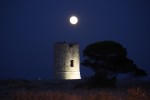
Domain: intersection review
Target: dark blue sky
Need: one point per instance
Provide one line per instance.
(29, 28)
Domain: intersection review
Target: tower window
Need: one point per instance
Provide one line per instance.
(71, 64)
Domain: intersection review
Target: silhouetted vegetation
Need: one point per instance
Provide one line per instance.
(56, 90)
(129, 94)
(108, 59)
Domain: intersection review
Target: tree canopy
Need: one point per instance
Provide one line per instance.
(108, 59)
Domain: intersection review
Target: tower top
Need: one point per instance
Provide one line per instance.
(67, 44)
(71, 43)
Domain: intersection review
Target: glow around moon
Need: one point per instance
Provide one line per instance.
(73, 20)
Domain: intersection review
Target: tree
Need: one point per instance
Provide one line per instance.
(139, 73)
(108, 59)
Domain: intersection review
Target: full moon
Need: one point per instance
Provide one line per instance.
(73, 20)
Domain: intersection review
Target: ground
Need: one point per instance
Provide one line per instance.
(64, 90)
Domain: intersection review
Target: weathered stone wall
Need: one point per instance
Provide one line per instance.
(63, 54)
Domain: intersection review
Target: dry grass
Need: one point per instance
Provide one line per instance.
(130, 94)
(137, 94)
(64, 90)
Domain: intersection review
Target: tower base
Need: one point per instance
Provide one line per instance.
(67, 75)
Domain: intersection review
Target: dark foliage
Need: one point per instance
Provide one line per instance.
(108, 59)
(140, 73)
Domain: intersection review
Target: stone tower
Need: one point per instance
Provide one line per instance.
(66, 61)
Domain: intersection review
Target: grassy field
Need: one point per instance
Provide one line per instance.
(130, 94)
(64, 90)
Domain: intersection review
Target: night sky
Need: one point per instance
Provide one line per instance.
(29, 28)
